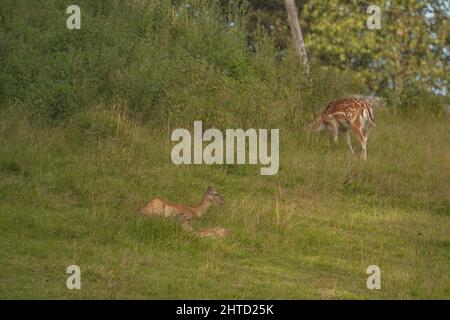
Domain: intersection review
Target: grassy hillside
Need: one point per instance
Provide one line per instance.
(70, 196)
(85, 124)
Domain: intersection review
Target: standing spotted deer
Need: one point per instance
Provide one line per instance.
(161, 208)
(344, 115)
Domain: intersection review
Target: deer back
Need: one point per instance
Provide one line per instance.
(347, 109)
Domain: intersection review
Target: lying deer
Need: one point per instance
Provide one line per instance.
(343, 115)
(217, 232)
(158, 207)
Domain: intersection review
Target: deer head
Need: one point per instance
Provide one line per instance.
(212, 195)
(314, 126)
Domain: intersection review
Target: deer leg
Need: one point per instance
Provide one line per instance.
(349, 141)
(334, 131)
(362, 141)
(364, 149)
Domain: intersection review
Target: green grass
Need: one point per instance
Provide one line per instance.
(70, 194)
(75, 169)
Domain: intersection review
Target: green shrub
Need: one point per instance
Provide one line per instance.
(414, 102)
(10, 167)
(169, 63)
(97, 124)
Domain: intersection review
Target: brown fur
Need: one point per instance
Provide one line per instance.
(160, 208)
(344, 115)
(217, 232)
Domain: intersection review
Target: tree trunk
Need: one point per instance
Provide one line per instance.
(296, 32)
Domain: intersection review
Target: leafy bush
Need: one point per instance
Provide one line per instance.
(170, 63)
(96, 123)
(415, 102)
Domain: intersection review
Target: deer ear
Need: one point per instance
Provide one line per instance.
(210, 189)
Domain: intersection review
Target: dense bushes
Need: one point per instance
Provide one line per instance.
(414, 102)
(168, 63)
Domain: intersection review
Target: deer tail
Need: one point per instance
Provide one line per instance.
(371, 119)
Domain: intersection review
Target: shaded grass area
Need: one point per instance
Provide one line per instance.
(69, 195)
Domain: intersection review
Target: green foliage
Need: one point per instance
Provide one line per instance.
(10, 167)
(143, 52)
(98, 124)
(168, 64)
(415, 102)
(408, 50)
(135, 50)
